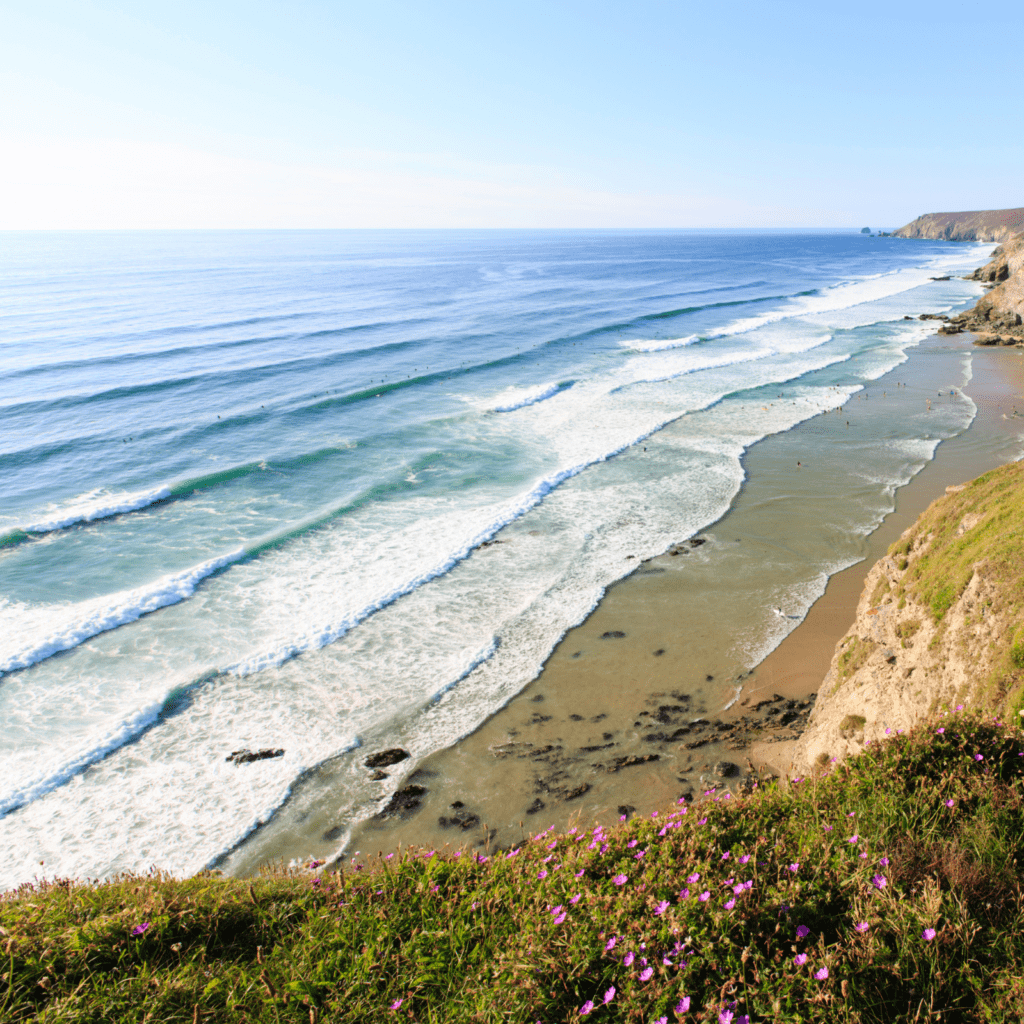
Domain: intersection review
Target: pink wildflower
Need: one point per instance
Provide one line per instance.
(730, 904)
(861, 926)
(396, 1004)
(683, 1006)
(661, 907)
(803, 931)
(879, 882)
(693, 878)
(587, 1008)
(800, 959)
(822, 974)
(609, 995)
(928, 934)
(628, 958)
(704, 896)
(620, 879)
(647, 974)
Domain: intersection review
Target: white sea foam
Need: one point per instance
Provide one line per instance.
(518, 398)
(28, 633)
(843, 296)
(98, 504)
(660, 346)
(60, 772)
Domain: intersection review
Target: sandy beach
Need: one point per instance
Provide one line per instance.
(608, 727)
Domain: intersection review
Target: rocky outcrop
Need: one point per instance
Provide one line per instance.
(248, 756)
(998, 318)
(967, 226)
(939, 624)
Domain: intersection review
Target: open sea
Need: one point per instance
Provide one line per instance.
(249, 481)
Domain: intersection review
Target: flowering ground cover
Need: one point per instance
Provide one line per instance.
(886, 890)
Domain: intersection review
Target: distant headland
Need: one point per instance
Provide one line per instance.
(998, 318)
(966, 226)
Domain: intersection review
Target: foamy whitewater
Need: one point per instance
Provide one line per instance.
(245, 480)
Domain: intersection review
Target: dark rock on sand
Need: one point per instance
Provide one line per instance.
(333, 833)
(378, 775)
(406, 799)
(625, 810)
(464, 820)
(537, 805)
(386, 758)
(659, 652)
(726, 769)
(613, 634)
(630, 760)
(667, 711)
(578, 791)
(695, 542)
(576, 718)
(248, 756)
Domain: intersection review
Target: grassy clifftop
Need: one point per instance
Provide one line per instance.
(975, 532)
(940, 622)
(886, 890)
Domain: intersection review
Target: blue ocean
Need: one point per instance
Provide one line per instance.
(246, 479)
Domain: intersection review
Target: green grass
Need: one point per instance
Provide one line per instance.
(456, 938)
(993, 546)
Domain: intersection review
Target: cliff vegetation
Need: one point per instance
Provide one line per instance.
(886, 889)
(940, 620)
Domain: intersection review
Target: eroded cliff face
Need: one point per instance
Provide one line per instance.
(998, 318)
(939, 624)
(966, 226)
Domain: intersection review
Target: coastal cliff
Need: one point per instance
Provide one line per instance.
(966, 226)
(998, 317)
(940, 623)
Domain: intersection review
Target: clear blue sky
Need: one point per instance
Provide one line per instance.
(392, 114)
